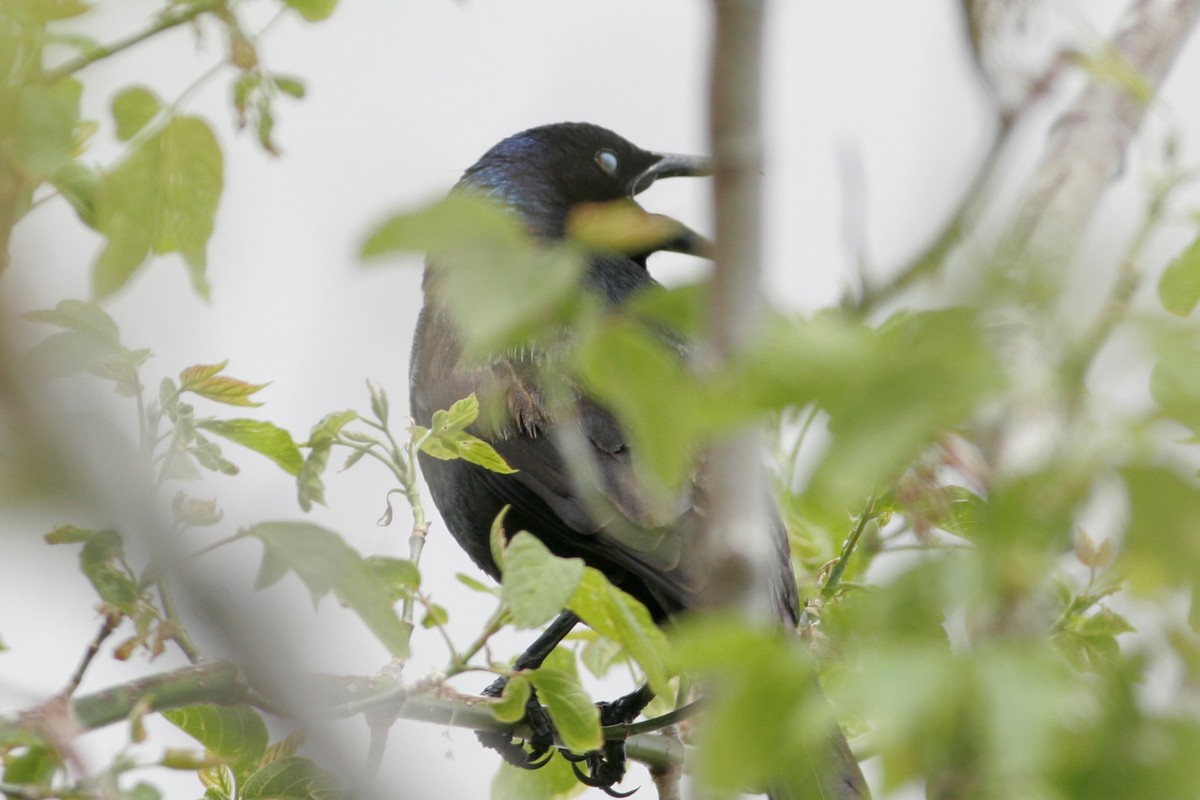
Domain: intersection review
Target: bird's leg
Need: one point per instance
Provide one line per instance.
(606, 767)
(542, 736)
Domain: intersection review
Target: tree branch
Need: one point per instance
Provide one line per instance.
(736, 541)
(1089, 142)
(165, 22)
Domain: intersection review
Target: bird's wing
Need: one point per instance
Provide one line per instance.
(592, 503)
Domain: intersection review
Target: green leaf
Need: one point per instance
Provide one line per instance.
(289, 85)
(498, 284)
(260, 436)
(103, 562)
(498, 538)
(435, 616)
(1175, 386)
(287, 746)
(537, 585)
(161, 199)
(400, 575)
(511, 705)
(144, 791)
(205, 380)
(1161, 541)
(313, 10)
(379, 402)
(551, 781)
(575, 716)
(132, 109)
(68, 534)
(618, 616)
(311, 489)
(928, 371)
(79, 316)
(326, 563)
(45, 121)
(661, 404)
(236, 733)
(475, 585)
(78, 184)
(49, 10)
(766, 721)
(34, 767)
(1179, 286)
(291, 778)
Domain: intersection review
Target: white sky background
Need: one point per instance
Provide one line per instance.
(402, 97)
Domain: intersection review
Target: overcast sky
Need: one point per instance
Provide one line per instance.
(403, 96)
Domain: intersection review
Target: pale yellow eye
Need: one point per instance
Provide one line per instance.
(607, 160)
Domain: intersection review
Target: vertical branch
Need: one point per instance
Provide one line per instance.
(736, 543)
(1091, 137)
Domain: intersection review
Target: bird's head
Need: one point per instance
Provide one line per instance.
(544, 172)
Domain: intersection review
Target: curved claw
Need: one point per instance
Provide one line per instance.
(605, 768)
(611, 792)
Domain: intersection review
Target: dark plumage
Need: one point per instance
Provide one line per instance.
(607, 517)
(542, 174)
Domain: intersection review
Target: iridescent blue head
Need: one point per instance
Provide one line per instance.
(543, 172)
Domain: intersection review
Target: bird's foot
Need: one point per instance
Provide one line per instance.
(540, 741)
(604, 768)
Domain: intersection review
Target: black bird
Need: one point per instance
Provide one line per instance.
(542, 174)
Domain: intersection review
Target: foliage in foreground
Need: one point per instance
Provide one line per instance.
(986, 615)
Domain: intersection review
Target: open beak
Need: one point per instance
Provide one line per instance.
(671, 165)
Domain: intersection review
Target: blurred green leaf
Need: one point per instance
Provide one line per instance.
(661, 404)
(326, 563)
(68, 534)
(1179, 286)
(78, 184)
(1175, 386)
(536, 584)
(311, 489)
(1161, 541)
(35, 766)
(618, 616)
(313, 10)
(132, 109)
(161, 199)
(927, 373)
(764, 719)
(497, 283)
(102, 560)
(555, 780)
(236, 733)
(511, 705)
(400, 575)
(291, 778)
(46, 116)
(260, 436)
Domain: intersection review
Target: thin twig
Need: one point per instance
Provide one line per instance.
(179, 634)
(166, 22)
(839, 566)
(109, 625)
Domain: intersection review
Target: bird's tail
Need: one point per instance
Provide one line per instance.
(833, 774)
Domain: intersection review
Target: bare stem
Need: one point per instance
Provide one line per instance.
(165, 22)
(106, 629)
(179, 634)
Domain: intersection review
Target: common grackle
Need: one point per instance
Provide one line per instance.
(541, 175)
